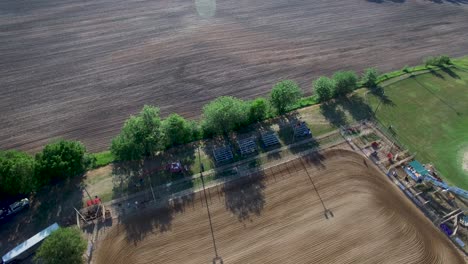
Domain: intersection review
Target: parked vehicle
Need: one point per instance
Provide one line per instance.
(14, 208)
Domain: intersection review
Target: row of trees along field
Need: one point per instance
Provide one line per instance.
(343, 83)
(21, 173)
(147, 133)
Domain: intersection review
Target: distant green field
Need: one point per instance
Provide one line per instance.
(429, 113)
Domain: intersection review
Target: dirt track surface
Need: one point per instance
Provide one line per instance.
(279, 218)
(78, 69)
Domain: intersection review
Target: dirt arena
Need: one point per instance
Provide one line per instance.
(78, 69)
(279, 218)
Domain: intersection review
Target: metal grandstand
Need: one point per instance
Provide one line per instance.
(300, 129)
(247, 146)
(269, 139)
(223, 154)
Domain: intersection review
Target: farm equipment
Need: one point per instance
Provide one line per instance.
(94, 210)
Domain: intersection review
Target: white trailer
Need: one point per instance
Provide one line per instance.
(25, 249)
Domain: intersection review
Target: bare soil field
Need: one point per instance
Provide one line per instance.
(78, 69)
(278, 217)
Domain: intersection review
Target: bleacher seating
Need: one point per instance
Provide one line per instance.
(222, 154)
(269, 139)
(301, 129)
(247, 146)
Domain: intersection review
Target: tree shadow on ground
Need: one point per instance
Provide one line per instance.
(286, 128)
(144, 219)
(137, 176)
(357, 107)
(450, 72)
(143, 223)
(333, 114)
(315, 158)
(379, 92)
(157, 168)
(125, 178)
(436, 74)
(244, 197)
(154, 193)
(51, 204)
(312, 143)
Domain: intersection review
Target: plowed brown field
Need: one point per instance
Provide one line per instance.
(278, 217)
(78, 69)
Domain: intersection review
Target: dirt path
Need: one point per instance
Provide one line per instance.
(278, 217)
(79, 69)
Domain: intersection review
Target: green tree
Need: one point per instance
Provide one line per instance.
(369, 78)
(16, 173)
(430, 61)
(65, 245)
(324, 88)
(196, 131)
(444, 60)
(60, 160)
(177, 130)
(141, 136)
(345, 82)
(259, 109)
(224, 115)
(284, 94)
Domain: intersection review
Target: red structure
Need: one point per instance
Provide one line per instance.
(94, 201)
